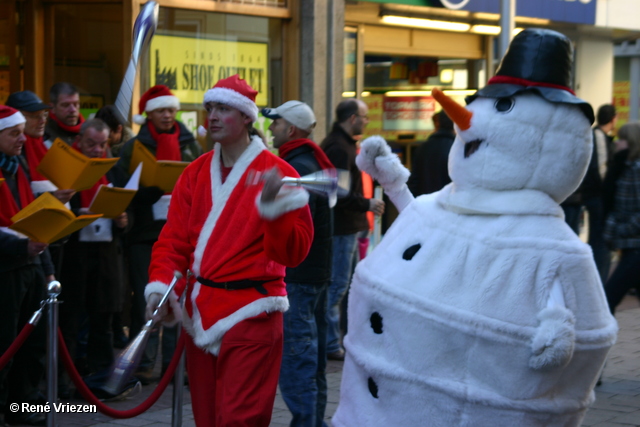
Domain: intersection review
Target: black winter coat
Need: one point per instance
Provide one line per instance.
(316, 267)
(350, 213)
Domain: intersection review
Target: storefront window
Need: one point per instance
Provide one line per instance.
(192, 50)
(88, 51)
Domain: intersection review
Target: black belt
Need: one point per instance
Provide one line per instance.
(235, 285)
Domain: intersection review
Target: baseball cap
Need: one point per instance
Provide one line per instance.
(26, 101)
(297, 113)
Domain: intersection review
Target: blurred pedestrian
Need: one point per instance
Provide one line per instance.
(622, 228)
(349, 213)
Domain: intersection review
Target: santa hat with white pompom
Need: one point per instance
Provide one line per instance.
(234, 92)
(158, 96)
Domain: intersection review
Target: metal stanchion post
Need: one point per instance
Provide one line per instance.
(178, 381)
(53, 290)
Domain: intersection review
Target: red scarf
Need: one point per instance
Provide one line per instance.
(86, 196)
(8, 205)
(321, 158)
(71, 129)
(167, 144)
(34, 150)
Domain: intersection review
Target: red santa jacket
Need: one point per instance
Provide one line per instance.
(222, 232)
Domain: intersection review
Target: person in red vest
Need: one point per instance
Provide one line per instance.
(25, 266)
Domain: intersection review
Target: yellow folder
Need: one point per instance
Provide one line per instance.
(111, 201)
(163, 173)
(68, 168)
(1, 181)
(46, 220)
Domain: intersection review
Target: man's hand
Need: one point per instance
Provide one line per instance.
(64, 195)
(35, 248)
(272, 184)
(152, 304)
(122, 220)
(376, 206)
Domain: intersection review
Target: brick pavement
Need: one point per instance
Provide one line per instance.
(617, 404)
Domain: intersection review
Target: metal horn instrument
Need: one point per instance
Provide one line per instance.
(333, 183)
(143, 30)
(129, 359)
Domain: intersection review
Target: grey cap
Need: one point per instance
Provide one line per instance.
(297, 113)
(26, 101)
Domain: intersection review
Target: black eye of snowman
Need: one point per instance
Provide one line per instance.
(504, 105)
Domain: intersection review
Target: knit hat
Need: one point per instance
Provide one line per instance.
(10, 117)
(158, 96)
(234, 92)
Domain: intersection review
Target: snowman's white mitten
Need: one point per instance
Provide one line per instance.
(376, 159)
(554, 340)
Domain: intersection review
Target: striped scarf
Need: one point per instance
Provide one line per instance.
(9, 163)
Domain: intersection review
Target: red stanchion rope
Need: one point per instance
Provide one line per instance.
(100, 406)
(15, 345)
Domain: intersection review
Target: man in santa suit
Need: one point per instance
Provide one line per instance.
(36, 112)
(25, 266)
(167, 139)
(236, 239)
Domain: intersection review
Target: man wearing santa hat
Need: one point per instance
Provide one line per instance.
(167, 139)
(24, 267)
(237, 239)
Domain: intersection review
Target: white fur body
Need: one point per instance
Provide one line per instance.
(499, 318)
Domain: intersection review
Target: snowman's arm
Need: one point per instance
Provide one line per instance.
(376, 159)
(554, 340)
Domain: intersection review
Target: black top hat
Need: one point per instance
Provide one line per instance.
(26, 101)
(538, 60)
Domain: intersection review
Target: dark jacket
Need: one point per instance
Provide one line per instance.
(350, 213)
(430, 171)
(13, 249)
(99, 264)
(592, 183)
(145, 229)
(52, 131)
(316, 268)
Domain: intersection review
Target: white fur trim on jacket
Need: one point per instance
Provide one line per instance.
(12, 120)
(167, 101)
(554, 340)
(221, 192)
(288, 199)
(211, 339)
(161, 288)
(233, 99)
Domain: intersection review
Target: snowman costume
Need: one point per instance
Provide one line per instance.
(481, 307)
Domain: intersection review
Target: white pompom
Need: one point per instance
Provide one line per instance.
(202, 131)
(139, 119)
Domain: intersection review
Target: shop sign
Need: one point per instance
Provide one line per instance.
(576, 11)
(621, 91)
(407, 112)
(191, 66)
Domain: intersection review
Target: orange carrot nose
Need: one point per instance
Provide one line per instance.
(460, 115)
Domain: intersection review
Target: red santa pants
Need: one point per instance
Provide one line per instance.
(238, 387)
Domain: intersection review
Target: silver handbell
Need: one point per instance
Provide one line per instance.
(143, 30)
(333, 183)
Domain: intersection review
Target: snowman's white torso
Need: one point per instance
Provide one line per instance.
(441, 335)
